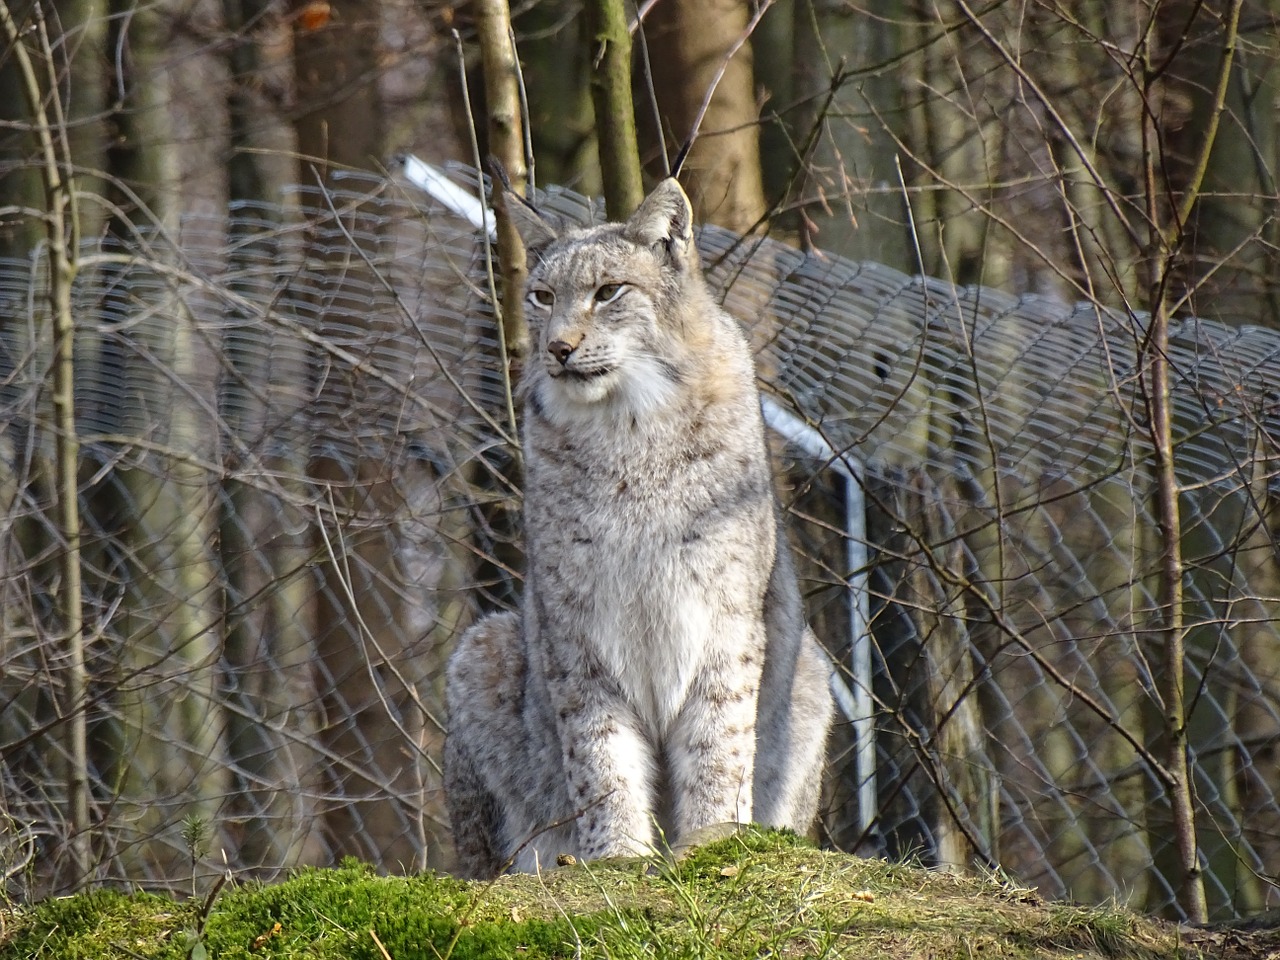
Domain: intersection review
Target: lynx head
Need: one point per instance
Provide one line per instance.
(612, 307)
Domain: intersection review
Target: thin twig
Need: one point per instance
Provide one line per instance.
(1165, 242)
(62, 271)
(1208, 137)
(1046, 102)
(342, 565)
(499, 315)
(378, 943)
(531, 182)
(715, 82)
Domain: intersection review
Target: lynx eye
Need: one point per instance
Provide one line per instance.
(608, 292)
(542, 297)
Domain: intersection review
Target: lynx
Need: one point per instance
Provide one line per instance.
(660, 675)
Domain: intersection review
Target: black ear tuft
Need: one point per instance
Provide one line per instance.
(664, 217)
(536, 230)
(498, 172)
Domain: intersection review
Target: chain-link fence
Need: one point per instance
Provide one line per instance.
(296, 487)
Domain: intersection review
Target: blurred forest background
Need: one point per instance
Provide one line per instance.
(256, 471)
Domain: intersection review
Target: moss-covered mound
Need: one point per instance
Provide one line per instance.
(754, 895)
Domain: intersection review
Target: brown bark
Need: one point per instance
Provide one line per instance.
(336, 70)
(690, 42)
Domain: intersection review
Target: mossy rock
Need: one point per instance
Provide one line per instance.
(754, 894)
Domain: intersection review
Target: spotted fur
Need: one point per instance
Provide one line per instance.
(660, 675)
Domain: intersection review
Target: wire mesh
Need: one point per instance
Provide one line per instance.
(297, 488)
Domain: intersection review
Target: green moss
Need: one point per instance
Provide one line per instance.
(758, 893)
(1107, 932)
(94, 925)
(339, 913)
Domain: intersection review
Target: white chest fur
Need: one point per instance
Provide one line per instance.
(651, 626)
(651, 559)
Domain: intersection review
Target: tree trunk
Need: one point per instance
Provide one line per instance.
(610, 47)
(850, 201)
(383, 625)
(937, 721)
(690, 42)
(40, 607)
(336, 70)
(264, 547)
(171, 757)
(1228, 259)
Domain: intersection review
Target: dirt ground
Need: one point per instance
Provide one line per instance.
(1256, 939)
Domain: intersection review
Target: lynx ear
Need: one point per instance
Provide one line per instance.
(536, 230)
(665, 217)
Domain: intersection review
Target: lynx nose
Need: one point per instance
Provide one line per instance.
(561, 350)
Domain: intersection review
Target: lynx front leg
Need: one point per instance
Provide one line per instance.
(609, 769)
(712, 747)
